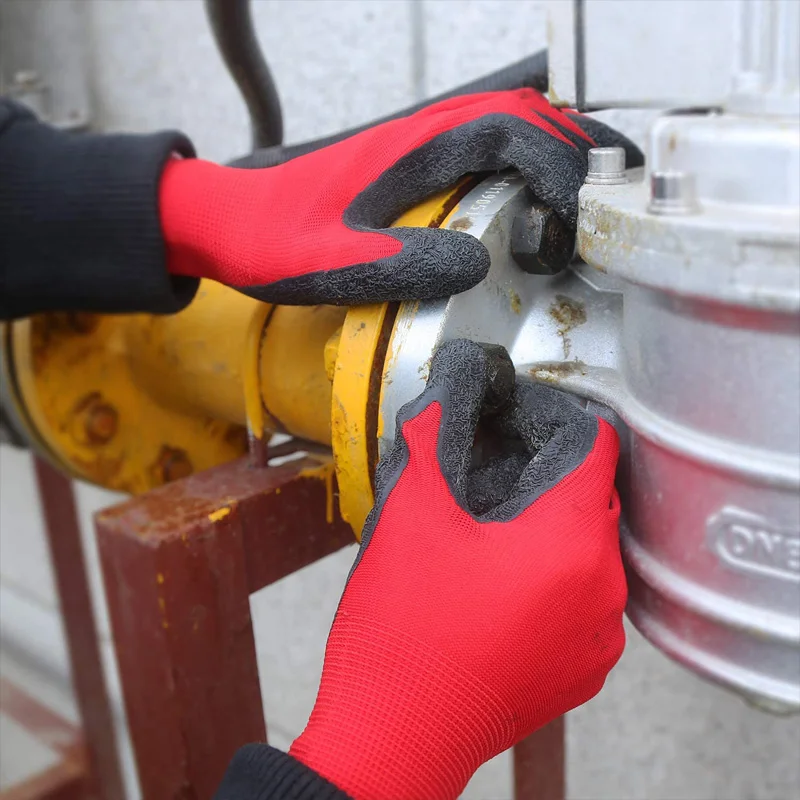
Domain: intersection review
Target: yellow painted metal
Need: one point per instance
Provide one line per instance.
(132, 401)
(294, 381)
(357, 380)
(259, 425)
(195, 362)
(352, 408)
(85, 382)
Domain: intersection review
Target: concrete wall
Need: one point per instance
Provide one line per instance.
(655, 731)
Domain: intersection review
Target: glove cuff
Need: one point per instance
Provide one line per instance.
(260, 772)
(95, 197)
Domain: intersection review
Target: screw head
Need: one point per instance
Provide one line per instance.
(673, 192)
(606, 166)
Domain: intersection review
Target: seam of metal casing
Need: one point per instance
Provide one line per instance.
(769, 468)
(695, 598)
(722, 672)
(604, 386)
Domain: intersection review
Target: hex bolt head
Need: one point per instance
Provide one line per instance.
(541, 244)
(606, 166)
(673, 192)
(502, 377)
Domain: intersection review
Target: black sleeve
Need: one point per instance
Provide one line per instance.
(260, 772)
(79, 223)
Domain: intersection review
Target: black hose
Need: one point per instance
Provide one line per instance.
(233, 31)
(529, 72)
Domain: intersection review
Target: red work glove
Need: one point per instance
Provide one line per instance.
(483, 603)
(316, 229)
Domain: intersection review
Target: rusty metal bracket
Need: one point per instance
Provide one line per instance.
(180, 563)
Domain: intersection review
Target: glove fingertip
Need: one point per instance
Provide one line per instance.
(436, 263)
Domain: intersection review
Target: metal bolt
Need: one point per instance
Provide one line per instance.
(541, 243)
(672, 193)
(100, 423)
(606, 166)
(502, 377)
(173, 464)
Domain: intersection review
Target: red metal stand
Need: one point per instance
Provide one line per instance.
(103, 777)
(88, 764)
(539, 764)
(179, 566)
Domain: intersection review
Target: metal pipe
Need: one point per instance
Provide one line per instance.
(232, 26)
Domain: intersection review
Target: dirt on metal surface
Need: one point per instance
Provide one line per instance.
(557, 371)
(568, 314)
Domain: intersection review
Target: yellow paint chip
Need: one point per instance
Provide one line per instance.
(220, 513)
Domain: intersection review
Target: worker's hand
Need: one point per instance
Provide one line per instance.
(459, 633)
(316, 229)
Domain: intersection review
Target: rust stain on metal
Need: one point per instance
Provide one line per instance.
(424, 369)
(101, 423)
(236, 436)
(568, 314)
(172, 464)
(93, 420)
(463, 224)
(672, 142)
(516, 302)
